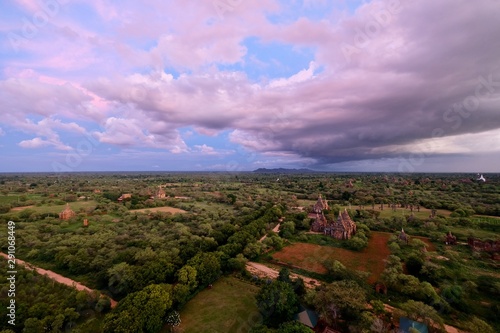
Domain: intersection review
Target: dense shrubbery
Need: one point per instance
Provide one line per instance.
(134, 255)
(42, 303)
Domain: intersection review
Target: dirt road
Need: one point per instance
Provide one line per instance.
(263, 271)
(17, 209)
(276, 229)
(56, 277)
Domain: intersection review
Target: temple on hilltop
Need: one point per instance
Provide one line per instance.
(67, 213)
(341, 228)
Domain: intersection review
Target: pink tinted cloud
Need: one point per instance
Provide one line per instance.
(130, 132)
(375, 89)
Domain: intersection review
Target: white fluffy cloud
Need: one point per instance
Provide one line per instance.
(40, 143)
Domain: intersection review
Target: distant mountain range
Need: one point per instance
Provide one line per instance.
(283, 170)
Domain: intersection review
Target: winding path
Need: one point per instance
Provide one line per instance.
(57, 277)
(276, 229)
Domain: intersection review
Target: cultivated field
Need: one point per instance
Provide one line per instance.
(160, 209)
(311, 257)
(230, 306)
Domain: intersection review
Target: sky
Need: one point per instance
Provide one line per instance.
(233, 85)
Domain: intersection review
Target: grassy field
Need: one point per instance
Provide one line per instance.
(463, 233)
(200, 206)
(387, 212)
(159, 209)
(423, 214)
(311, 257)
(7, 199)
(486, 217)
(58, 208)
(229, 306)
(306, 203)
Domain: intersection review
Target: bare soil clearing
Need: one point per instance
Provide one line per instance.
(311, 256)
(264, 271)
(17, 209)
(160, 209)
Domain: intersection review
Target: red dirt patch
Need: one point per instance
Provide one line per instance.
(311, 257)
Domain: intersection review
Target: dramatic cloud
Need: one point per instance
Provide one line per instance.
(235, 85)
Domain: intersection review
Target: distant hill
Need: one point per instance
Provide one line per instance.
(283, 170)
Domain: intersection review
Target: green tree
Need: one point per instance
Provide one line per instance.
(341, 298)
(122, 322)
(294, 327)
(232, 198)
(287, 229)
(476, 325)
(414, 264)
(277, 302)
(284, 275)
(274, 241)
(121, 278)
(71, 316)
(142, 311)
(393, 269)
(33, 325)
(253, 250)
(336, 269)
(419, 311)
(299, 286)
(187, 276)
(58, 323)
(181, 294)
(208, 267)
(378, 307)
(5, 208)
(238, 263)
(261, 329)
(103, 304)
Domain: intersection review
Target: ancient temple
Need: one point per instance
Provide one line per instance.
(160, 193)
(67, 213)
(450, 239)
(341, 228)
(320, 205)
(320, 223)
(403, 236)
(124, 196)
